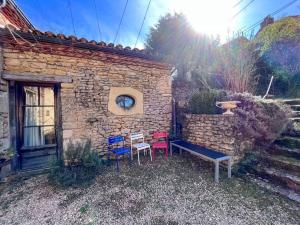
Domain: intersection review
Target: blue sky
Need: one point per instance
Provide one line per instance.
(207, 16)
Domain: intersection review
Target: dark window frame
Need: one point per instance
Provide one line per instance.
(20, 107)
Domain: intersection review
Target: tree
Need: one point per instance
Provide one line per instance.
(236, 65)
(279, 45)
(174, 40)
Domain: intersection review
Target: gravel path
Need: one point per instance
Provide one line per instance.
(179, 191)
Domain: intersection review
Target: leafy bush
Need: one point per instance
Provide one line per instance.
(279, 46)
(79, 166)
(284, 29)
(260, 120)
(204, 102)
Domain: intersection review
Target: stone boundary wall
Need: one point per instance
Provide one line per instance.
(212, 131)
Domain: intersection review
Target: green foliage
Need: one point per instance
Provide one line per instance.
(240, 65)
(79, 166)
(286, 28)
(235, 63)
(174, 40)
(8, 153)
(247, 164)
(260, 120)
(279, 46)
(204, 102)
(84, 209)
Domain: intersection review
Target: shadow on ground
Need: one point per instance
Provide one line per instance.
(178, 191)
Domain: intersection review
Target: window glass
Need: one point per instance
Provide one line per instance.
(46, 96)
(39, 114)
(31, 95)
(125, 101)
(37, 136)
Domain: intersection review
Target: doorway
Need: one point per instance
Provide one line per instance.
(37, 123)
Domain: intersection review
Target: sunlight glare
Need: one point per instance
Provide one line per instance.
(212, 17)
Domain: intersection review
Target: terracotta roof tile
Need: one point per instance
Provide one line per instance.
(60, 38)
(73, 38)
(83, 40)
(49, 34)
(119, 47)
(101, 43)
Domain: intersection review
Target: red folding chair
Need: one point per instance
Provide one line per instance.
(160, 144)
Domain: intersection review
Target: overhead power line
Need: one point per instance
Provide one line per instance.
(71, 13)
(239, 2)
(120, 23)
(137, 39)
(98, 23)
(272, 14)
(244, 8)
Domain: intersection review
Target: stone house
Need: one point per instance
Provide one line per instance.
(55, 88)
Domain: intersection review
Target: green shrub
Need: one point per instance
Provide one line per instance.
(79, 166)
(260, 120)
(204, 102)
(247, 164)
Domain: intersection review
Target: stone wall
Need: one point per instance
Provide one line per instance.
(182, 91)
(213, 131)
(84, 102)
(4, 128)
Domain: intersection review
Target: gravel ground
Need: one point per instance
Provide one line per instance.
(178, 191)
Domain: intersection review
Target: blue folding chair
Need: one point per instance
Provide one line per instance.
(114, 147)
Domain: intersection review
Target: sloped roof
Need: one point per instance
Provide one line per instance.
(15, 15)
(48, 37)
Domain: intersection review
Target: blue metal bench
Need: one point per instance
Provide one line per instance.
(204, 153)
(116, 149)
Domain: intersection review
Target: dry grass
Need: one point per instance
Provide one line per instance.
(179, 191)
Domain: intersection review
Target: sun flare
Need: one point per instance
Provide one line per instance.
(212, 17)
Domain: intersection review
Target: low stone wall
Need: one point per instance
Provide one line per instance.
(213, 131)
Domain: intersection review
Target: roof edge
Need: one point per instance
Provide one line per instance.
(38, 37)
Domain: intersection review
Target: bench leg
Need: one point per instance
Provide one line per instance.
(217, 171)
(229, 168)
(180, 151)
(171, 149)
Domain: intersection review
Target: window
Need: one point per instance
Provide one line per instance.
(125, 101)
(39, 116)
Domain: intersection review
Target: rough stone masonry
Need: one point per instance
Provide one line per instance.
(213, 131)
(84, 102)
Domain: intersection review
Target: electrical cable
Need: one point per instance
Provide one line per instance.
(120, 23)
(98, 23)
(142, 24)
(244, 8)
(71, 13)
(261, 20)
